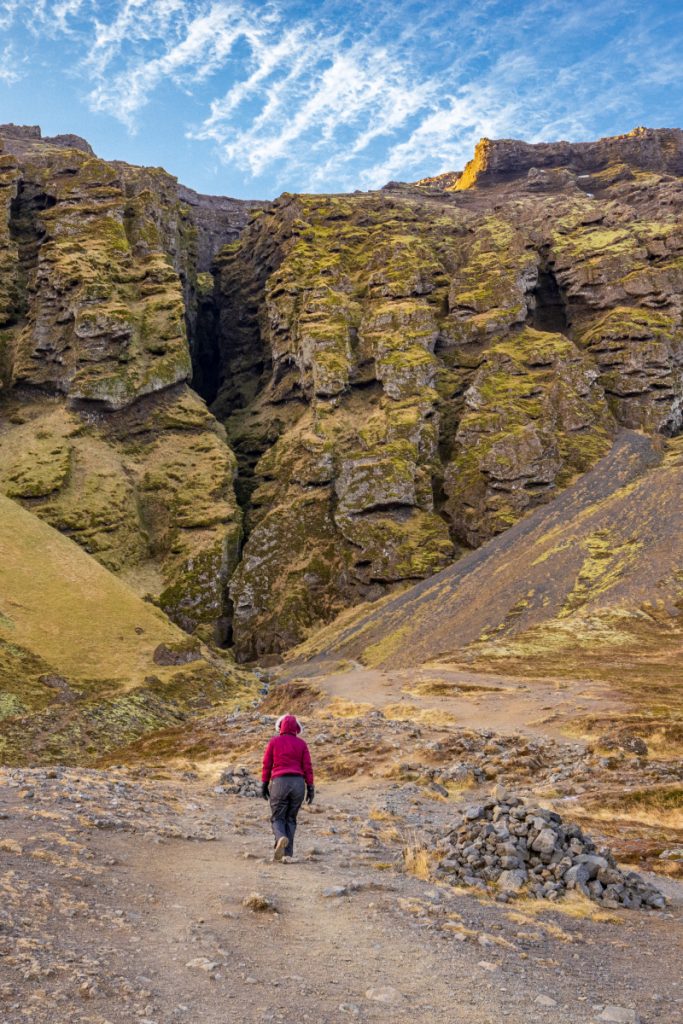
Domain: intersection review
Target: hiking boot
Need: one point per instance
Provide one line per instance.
(280, 847)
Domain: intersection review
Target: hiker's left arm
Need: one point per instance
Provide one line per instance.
(267, 762)
(307, 766)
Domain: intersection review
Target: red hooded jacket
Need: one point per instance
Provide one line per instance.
(287, 754)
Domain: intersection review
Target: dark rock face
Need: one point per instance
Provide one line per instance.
(20, 131)
(178, 654)
(393, 376)
(409, 371)
(219, 221)
(70, 142)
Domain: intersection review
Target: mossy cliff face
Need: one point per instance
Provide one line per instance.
(534, 416)
(407, 372)
(392, 376)
(105, 318)
(329, 314)
(100, 434)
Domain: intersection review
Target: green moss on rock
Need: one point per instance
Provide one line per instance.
(534, 416)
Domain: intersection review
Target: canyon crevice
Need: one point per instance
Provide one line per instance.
(259, 414)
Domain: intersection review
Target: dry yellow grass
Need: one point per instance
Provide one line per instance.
(573, 905)
(417, 859)
(458, 931)
(379, 814)
(658, 805)
(403, 711)
(339, 707)
(445, 688)
(62, 605)
(10, 846)
(661, 726)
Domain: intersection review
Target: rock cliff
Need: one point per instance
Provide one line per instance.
(101, 435)
(658, 150)
(405, 373)
(391, 377)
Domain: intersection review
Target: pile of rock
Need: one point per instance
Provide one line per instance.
(513, 846)
(238, 781)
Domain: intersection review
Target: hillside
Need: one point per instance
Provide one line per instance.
(85, 664)
(610, 545)
(416, 456)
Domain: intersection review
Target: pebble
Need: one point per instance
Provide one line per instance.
(202, 963)
(619, 1015)
(384, 994)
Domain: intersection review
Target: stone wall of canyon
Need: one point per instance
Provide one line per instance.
(260, 414)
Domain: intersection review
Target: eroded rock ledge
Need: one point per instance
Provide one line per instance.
(658, 150)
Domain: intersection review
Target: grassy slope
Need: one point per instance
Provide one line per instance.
(78, 682)
(63, 606)
(591, 586)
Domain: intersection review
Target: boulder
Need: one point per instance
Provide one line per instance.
(512, 881)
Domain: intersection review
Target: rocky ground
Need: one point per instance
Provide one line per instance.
(128, 890)
(352, 394)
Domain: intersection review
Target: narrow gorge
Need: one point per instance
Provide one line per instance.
(259, 414)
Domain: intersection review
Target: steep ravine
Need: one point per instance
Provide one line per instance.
(405, 373)
(392, 377)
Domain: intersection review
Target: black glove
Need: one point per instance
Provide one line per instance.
(310, 794)
(265, 792)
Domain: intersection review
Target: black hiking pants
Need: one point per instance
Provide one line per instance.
(286, 797)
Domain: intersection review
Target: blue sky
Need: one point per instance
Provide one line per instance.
(249, 98)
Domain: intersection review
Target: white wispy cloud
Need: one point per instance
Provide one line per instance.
(356, 95)
(351, 92)
(8, 11)
(198, 47)
(448, 134)
(10, 66)
(64, 12)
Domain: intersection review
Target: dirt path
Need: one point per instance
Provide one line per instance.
(537, 707)
(123, 901)
(122, 891)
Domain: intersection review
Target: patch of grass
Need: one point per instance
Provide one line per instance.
(572, 905)
(417, 859)
(296, 697)
(379, 814)
(656, 805)
(339, 707)
(443, 688)
(68, 610)
(661, 726)
(402, 711)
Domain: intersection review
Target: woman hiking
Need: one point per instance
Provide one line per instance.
(286, 778)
